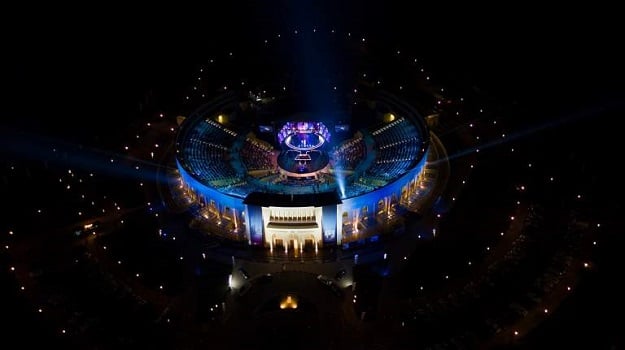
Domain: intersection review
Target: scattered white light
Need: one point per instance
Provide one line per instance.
(512, 218)
(546, 310)
(501, 234)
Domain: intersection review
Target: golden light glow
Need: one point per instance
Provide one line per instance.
(289, 302)
(222, 119)
(389, 117)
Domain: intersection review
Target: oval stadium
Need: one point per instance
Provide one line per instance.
(265, 172)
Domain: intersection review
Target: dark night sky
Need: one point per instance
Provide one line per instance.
(95, 63)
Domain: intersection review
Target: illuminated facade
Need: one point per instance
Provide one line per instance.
(293, 182)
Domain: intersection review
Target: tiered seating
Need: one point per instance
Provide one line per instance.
(397, 146)
(206, 149)
(257, 155)
(349, 154)
(240, 188)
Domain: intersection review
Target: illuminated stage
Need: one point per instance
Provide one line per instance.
(301, 187)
